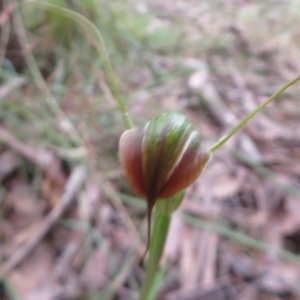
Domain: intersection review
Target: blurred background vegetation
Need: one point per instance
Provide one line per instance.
(237, 234)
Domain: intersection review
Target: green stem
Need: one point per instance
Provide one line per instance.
(158, 240)
(224, 139)
(99, 45)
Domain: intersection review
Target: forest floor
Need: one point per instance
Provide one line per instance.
(70, 225)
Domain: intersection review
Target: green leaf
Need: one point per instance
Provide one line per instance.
(168, 206)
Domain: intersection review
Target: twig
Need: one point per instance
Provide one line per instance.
(43, 159)
(73, 185)
(12, 85)
(196, 293)
(119, 206)
(6, 12)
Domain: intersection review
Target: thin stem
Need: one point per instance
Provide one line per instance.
(99, 45)
(158, 240)
(224, 139)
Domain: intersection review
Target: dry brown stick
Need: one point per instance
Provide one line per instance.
(209, 265)
(42, 158)
(6, 12)
(120, 208)
(12, 84)
(73, 185)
